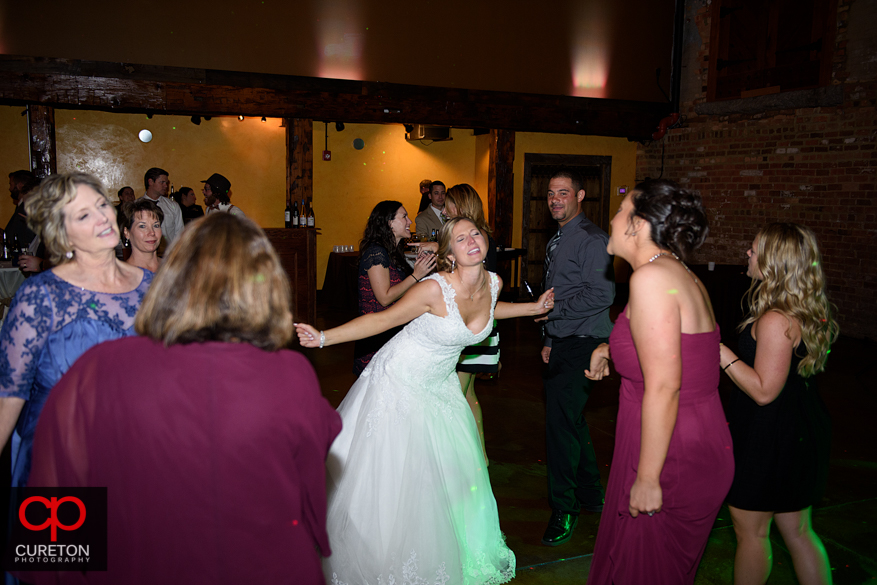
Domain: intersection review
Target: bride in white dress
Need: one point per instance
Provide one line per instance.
(409, 496)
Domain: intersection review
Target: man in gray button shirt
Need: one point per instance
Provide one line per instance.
(580, 271)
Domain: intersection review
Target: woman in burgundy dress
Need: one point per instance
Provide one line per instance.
(673, 462)
(781, 429)
(210, 438)
(384, 274)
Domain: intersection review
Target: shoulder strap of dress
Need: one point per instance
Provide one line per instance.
(448, 292)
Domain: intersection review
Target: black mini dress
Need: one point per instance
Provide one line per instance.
(781, 449)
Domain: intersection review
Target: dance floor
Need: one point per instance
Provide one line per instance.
(514, 428)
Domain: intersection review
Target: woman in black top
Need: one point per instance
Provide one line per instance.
(384, 274)
(779, 425)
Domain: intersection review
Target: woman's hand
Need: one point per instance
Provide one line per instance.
(726, 356)
(29, 263)
(424, 264)
(544, 303)
(645, 497)
(599, 363)
(307, 335)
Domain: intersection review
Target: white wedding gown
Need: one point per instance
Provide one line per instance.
(409, 496)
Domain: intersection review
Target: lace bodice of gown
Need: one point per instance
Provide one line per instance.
(426, 351)
(409, 494)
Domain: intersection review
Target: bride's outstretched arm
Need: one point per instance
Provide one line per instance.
(421, 298)
(510, 310)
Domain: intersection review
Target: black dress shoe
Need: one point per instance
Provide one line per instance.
(560, 528)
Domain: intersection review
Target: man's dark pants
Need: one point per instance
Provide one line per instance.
(573, 476)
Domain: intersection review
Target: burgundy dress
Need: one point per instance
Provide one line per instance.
(667, 547)
(213, 455)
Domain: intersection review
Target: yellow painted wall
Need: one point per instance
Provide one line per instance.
(251, 154)
(14, 153)
(622, 151)
(348, 187)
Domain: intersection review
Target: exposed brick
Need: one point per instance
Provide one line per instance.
(815, 166)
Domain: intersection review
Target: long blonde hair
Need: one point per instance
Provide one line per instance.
(469, 205)
(793, 284)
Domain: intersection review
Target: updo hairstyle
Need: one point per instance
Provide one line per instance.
(676, 215)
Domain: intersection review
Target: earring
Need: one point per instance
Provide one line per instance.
(453, 266)
(69, 254)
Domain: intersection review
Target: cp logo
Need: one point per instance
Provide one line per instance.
(52, 506)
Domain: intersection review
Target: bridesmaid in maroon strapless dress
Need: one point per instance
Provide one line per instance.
(696, 476)
(673, 462)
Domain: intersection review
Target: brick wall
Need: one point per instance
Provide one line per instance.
(814, 166)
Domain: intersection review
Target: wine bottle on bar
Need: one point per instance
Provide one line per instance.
(311, 221)
(288, 214)
(303, 218)
(295, 214)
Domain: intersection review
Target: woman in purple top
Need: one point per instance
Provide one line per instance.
(673, 462)
(210, 438)
(384, 274)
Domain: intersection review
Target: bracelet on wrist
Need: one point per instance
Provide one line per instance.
(730, 364)
(322, 339)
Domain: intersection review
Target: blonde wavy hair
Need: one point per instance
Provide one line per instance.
(469, 205)
(45, 210)
(794, 284)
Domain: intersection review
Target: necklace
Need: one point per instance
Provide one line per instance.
(472, 296)
(687, 269)
(659, 254)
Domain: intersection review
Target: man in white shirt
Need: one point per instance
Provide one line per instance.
(157, 183)
(432, 218)
(217, 196)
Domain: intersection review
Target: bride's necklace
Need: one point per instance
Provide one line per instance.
(472, 296)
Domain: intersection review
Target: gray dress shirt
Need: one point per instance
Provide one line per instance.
(583, 280)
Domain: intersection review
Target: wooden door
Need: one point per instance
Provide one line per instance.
(539, 227)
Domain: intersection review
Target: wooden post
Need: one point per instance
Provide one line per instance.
(41, 135)
(299, 159)
(501, 185)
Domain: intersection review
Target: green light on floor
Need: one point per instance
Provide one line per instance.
(474, 488)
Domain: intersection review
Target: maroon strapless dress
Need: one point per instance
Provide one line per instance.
(667, 547)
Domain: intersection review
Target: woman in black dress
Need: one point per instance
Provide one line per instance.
(779, 425)
(384, 274)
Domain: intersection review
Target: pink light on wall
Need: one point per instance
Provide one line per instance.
(589, 49)
(340, 38)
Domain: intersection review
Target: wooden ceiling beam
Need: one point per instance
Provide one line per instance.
(129, 88)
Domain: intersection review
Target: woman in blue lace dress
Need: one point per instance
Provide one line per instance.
(384, 274)
(88, 297)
